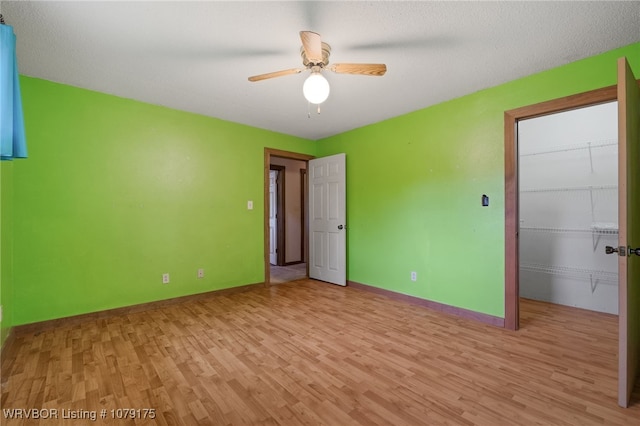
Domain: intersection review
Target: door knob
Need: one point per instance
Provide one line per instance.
(340, 226)
(635, 251)
(622, 251)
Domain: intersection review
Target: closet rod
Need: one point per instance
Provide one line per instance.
(603, 144)
(572, 188)
(594, 230)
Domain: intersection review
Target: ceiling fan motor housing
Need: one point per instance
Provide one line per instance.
(326, 51)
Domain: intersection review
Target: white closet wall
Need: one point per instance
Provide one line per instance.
(569, 207)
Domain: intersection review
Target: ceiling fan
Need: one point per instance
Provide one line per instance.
(315, 57)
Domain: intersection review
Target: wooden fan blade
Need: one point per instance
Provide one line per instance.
(275, 74)
(362, 69)
(312, 44)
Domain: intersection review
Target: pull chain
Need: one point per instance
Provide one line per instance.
(309, 109)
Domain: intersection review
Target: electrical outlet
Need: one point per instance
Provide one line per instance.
(414, 276)
(249, 205)
(201, 273)
(165, 278)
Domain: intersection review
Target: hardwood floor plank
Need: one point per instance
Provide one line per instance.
(308, 353)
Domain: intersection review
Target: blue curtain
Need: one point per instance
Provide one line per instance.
(13, 142)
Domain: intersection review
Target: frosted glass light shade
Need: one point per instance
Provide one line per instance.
(316, 88)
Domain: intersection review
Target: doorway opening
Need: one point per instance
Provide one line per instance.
(627, 93)
(568, 207)
(286, 234)
(512, 201)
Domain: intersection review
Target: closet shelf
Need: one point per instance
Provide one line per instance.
(588, 145)
(600, 229)
(605, 228)
(573, 188)
(592, 274)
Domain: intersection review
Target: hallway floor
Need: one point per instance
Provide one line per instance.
(284, 274)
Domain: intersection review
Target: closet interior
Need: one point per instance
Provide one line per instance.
(568, 195)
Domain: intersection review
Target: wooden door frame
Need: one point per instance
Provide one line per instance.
(511, 118)
(280, 213)
(511, 190)
(268, 153)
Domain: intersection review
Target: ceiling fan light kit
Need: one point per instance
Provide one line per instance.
(316, 88)
(315, 57)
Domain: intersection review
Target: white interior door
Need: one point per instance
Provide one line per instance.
(327, 214)
(273, 222)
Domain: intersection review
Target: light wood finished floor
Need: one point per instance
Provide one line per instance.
(311, 353)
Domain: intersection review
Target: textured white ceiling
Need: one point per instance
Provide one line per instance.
(196, 56)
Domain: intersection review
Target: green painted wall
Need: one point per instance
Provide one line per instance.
(414, 185)
(6, 248)
(117, 192)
